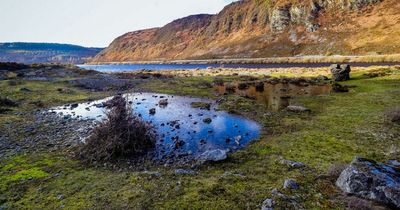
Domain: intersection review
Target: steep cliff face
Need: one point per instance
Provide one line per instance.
(266, 28)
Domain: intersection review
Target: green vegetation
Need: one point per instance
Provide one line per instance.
(340, 126)
(32, 95)
(201, 105)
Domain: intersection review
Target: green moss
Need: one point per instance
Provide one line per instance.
(32, 173)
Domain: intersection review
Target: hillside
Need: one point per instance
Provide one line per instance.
(45, 53)
(268, 28)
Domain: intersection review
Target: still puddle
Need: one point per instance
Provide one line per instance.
(182, 130)
(275, 96)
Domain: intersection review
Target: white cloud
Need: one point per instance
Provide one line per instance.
(91, 22)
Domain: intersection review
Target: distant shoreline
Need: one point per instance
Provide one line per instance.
(393, 58)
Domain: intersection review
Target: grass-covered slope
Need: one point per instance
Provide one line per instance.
(45, 53)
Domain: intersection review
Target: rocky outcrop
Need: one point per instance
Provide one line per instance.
(372, 180)
(280, 18)
(250, 28)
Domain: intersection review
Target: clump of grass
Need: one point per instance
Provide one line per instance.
(205, 84)
(218, 81)
(122, 134)
(393, 115)
(7, 102)
(201, 105)
(230, 88)
(243, 86)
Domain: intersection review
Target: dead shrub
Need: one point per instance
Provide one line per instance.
(393, 115)
(243, 86)
(121, 134)
(230, 87)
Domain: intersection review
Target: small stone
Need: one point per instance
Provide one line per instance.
(207, 120)
(152, 111)
(290, 184)
(293, 164)
(268, 204)
(24, 89)
(297, 109)
(184, 172)
(73, 106)
(163, 102)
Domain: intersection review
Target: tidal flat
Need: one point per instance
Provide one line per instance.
(38, 170)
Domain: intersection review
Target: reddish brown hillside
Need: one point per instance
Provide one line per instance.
(267, 28)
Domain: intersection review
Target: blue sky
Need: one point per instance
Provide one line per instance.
(91, 22)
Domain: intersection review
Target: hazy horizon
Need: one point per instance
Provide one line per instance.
(91, 23)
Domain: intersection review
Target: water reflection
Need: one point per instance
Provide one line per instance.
(275, 96)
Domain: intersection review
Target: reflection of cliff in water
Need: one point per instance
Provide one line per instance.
(274, 96)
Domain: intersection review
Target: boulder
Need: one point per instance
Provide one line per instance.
(340, 72)
(372, 180)
(213, 155)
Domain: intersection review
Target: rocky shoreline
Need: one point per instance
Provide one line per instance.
(43, 131)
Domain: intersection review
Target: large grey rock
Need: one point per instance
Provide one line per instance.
(340, 72)
(371, 180)
(213, 155)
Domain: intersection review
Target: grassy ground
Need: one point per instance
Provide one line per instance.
(340, 126)
(40, 94)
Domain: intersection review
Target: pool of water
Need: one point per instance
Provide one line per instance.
(136, 67)
(274, 96)
(182, 130)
